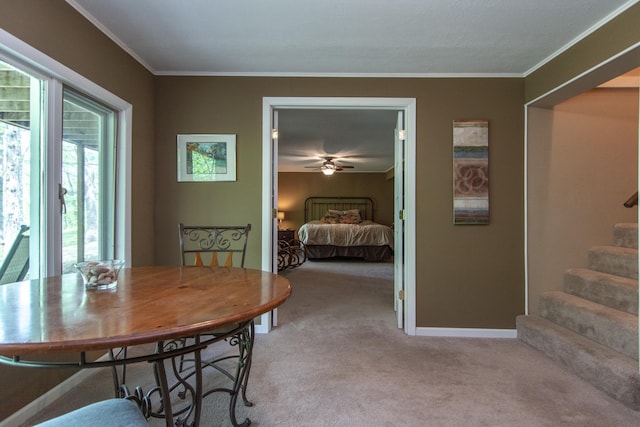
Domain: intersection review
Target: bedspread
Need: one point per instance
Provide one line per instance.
(367, 233)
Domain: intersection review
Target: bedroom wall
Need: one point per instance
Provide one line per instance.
(294, 188)
(583, 164)
(57, 30)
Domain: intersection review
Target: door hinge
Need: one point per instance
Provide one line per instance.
(401, 295)
(402, 214)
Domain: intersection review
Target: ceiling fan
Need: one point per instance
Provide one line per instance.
(328, 167)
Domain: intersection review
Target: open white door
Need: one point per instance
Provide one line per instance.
(406, 307)
(269, 205)
(274, 204)
(398, 223)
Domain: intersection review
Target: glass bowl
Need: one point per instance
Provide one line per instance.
(100, 274)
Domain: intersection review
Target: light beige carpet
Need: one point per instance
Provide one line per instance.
(337, 359)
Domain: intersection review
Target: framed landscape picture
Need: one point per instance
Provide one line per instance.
(206, 157)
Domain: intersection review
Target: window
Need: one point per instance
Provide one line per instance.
(64, 164)
(19, 92)
(88, 180)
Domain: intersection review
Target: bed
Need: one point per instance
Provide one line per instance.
(344, 227)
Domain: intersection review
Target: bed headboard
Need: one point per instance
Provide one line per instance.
(316, 207)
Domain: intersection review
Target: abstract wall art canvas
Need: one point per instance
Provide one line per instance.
(470, 172)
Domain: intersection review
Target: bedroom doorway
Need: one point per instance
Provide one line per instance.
(405, 217)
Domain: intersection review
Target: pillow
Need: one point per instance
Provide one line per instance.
(347, 219)
(331, 217)
(354, 213)
(351, 216)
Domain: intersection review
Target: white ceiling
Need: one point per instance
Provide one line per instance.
(359, 138)
(402, 38)
(320, 37)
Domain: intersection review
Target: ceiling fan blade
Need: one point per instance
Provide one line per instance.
(329, 165)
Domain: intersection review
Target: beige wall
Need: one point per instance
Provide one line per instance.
(618, 35)
(294, 188)
(582, 166)
(467, 276)
(54, 28)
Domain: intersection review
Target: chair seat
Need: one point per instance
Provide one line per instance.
(111, 413)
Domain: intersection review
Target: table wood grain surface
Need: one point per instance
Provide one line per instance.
(149, 304)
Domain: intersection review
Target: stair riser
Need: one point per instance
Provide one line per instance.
(612, 292)
(619, 264)
(592, 327)
(611, 373)
(626, 235)
(619, 333)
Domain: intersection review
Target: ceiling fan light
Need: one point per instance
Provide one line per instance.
(328, 171)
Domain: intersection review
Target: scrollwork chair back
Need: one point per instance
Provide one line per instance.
(202, 245)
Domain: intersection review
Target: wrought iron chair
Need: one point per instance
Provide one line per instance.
(195, 241)
(16, 264)
(290, 254)
(222, 246)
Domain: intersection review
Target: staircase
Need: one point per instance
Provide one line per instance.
(591, 327)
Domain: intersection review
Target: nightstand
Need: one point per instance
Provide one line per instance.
(286, 235)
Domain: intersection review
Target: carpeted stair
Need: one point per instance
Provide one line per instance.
(592, 325)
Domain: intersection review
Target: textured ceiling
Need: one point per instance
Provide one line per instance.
(359, 138)
(345, 38)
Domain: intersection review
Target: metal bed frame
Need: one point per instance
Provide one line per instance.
(315, 207)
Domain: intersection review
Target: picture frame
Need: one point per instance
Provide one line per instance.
(206, 157)
(470, 172)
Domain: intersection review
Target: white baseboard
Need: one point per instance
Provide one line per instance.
(466, 332)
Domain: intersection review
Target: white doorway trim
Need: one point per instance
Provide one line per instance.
(270, 169)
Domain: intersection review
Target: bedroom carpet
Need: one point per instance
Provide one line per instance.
(337, 359)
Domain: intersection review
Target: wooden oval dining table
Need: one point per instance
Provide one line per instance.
(181, 309)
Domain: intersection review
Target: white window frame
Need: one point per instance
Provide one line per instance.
(18, 53)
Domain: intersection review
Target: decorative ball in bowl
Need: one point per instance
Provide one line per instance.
(100, 274)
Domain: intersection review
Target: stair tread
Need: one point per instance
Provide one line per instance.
(620, 293)
(592, 348)
(621, 280)
(604, 325)
(615, 249)
(618, 260)
(629, 225)
(593, 307)
(614, 373)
